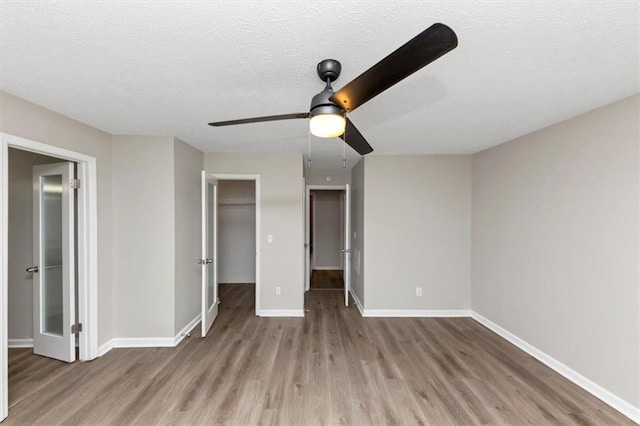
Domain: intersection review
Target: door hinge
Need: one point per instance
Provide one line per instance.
(76, 328)
(74, 183)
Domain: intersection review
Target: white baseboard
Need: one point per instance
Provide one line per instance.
(238, 282)
(281, 313)
(416, 313)
(596, 390)
(328, 268)
(143, 342)
(20, 343)
(148, 342)
(358, 302)
(186, 330)
(106, 347)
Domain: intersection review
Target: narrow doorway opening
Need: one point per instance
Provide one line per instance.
(326, 241)
(237, 245)
(86, 257)
(42, 270)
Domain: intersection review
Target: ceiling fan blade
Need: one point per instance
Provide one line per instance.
(355, 140)
(261, 119)
(423, 49)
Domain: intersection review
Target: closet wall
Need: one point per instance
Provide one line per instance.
(236, 231)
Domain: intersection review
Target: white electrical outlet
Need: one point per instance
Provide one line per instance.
(270, 239)
(418, 291)
(278, 291)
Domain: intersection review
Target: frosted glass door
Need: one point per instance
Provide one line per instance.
(51, 239)
(54, 261)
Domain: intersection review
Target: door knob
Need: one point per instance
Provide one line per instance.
(33, 269)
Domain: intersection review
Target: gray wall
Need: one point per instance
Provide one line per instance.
(188, 165)
(144, 236)
(357, 230)
(21, 118)
(281, 216)
(418, 226)
(21, 240)
(556, 243)
(236, 231)
(328, 236)
(319, 176)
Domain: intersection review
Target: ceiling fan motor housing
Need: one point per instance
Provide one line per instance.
(321, 104)
(328, 71)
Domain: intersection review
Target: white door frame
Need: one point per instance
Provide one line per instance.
(256, 178)
(87, 250)
(307, 226)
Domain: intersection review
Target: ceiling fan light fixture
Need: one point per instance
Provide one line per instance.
(327, 124)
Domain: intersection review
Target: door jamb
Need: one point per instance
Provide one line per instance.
(307, 226)
(87, 249)
(256, 178)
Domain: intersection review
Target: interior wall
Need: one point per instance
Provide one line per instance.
(282, 196)
(357, 231)
(556, 243)
(236, 231)
(21, 118)
(144, 218)
(327, 176)
(188, 165)
(418, 226)
(328, 237)
(20, 242)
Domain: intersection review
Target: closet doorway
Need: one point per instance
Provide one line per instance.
(237, 243)
(230, 244)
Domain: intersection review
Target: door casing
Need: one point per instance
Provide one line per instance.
(307, 226)
(87, 250)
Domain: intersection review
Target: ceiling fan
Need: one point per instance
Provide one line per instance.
(328, 112)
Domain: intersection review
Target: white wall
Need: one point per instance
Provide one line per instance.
(21, 240)
(328, 231)
(188, 165)
(144, 218)
(418, 225)
(357, 231)
(236, 231)
(22, 118)
(327, 176)
(281, 216)
(556, 243)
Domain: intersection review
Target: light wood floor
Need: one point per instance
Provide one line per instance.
(331, 367)
(326, 280)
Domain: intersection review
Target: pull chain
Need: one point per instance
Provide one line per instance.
(344, 155)
(309, 157)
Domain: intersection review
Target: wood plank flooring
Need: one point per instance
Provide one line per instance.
(332, 367)
(326, 280)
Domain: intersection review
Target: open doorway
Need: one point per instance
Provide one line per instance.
(237, 244)
(230, 244)
(328, 253)
(42, 259)
(61, 185)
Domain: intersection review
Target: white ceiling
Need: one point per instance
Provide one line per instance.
(170, 67)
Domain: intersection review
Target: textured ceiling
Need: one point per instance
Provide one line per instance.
(169, 67)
